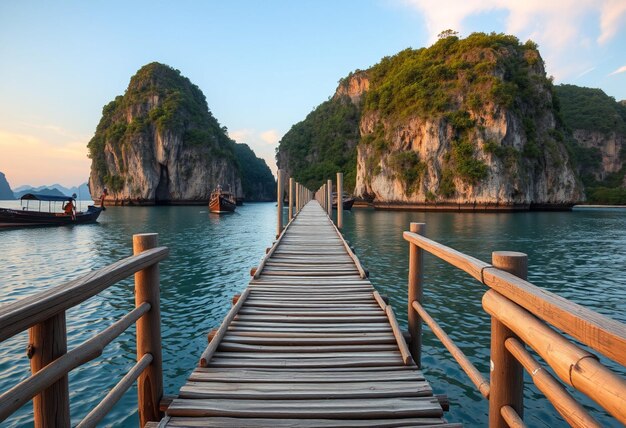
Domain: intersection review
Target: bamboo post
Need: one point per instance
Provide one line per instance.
(416, 277)
(150, 382)
(329, 196)
(507, 381)
(47, 342)
(290, 198)
(279, 206)
(340, 200)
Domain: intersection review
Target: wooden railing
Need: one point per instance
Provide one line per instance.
(521, 315)
(43, 314)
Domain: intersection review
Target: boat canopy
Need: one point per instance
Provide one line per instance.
(42, 197)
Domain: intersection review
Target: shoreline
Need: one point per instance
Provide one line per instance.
(462, 207)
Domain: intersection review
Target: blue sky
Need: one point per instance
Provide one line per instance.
(263, 66)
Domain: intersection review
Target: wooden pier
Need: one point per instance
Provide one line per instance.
(309, 343)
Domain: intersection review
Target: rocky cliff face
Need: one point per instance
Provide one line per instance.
(609, 149)
(598, 143)
(466, 123)
(160, 144)
(6, 194)
(257, 180)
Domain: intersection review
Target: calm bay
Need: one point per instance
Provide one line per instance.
(579, 255)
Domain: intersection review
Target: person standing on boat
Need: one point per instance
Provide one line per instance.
(68, 209)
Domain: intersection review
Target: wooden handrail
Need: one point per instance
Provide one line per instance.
(601, 333)
(21, 393)
(472, 372)
(521, 313)
(22, 314)
(574, 366)
(206, 356)
(44, 316)
(572, 411)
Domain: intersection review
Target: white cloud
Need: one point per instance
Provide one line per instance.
(560, 27)
(622, 69)
(612, 18)
(270, 137)
(263, 143)
(589, 70)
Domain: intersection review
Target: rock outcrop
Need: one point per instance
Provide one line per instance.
(465, 124)
(6, 194)
(598, 126)
(160, 144)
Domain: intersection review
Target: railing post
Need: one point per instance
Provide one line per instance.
(329, 196)
(298, 198)
(147, 289)
(416, 277)
(507, 381)
(290, 198)
(279, 206)
(47, 342)
(340, 200)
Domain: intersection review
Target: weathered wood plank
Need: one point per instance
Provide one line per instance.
(296, 391)
(337, 408)
(201, 374)
(225, 422)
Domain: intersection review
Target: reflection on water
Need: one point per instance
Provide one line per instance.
(579, 255)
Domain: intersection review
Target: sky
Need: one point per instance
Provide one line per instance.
(262, 65)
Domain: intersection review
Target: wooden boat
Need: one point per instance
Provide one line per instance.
(222, 201)
(347, 200)
(27, 217)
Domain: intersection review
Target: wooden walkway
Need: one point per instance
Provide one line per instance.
(307, 345)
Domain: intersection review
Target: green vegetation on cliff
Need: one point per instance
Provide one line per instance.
(323, 144)
(257, 178)
(453, 74)
(590, 109)
(454, 80)
(160, 101)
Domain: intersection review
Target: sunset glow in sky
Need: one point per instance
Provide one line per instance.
(262, 66)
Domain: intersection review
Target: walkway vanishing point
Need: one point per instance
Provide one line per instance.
(308, 343)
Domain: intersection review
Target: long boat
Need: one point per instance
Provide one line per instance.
(27, 217)
(222, 201)
(347, 201)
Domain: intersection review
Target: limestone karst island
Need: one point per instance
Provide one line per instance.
(313, 214)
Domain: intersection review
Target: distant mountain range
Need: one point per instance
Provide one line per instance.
(82, 191)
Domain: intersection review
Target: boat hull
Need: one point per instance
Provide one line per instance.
(347, 204)
(221, 205)
(17, 218)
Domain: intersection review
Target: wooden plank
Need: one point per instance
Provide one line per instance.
(308, 363)
(263, 375)
(225, 422)
(313, 350)
(334, 408)
(305, 355)
(313, 319)
(296, 391)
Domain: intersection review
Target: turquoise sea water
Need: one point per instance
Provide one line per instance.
(580, 255)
